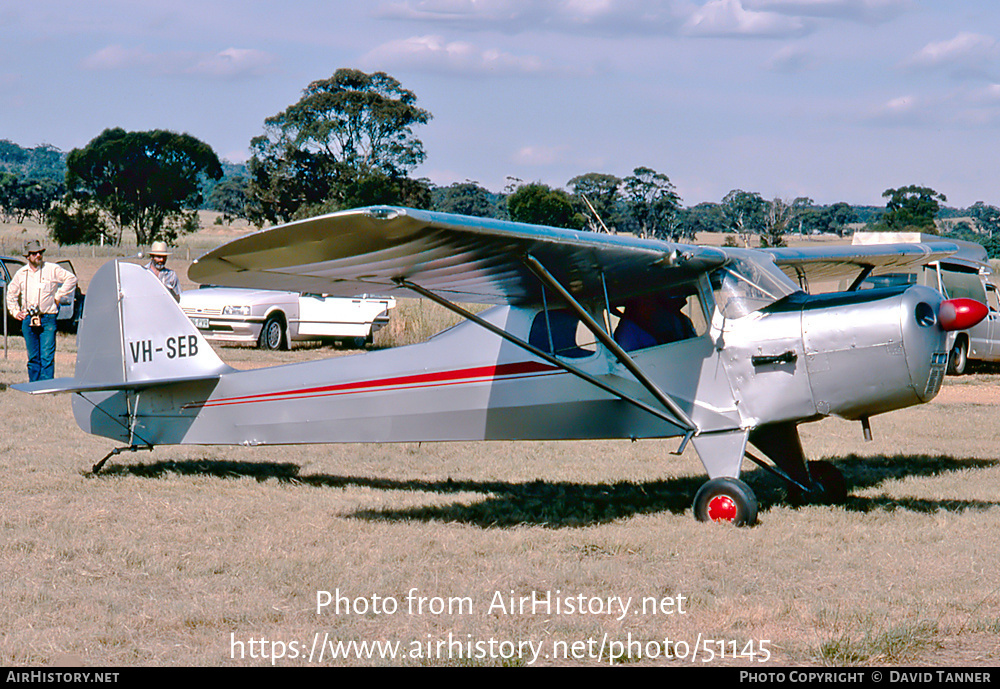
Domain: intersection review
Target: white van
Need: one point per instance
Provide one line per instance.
(966, 273)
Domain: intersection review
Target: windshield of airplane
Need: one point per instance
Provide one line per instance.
(743, 286)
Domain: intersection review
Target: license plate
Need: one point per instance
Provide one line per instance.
(200, 323)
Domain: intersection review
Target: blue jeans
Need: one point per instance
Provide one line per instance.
(41, 344)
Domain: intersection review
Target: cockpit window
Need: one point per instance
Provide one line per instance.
(560, 332)
(743, 286)
(658, 318)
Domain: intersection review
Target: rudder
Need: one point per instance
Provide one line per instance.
(133, 332)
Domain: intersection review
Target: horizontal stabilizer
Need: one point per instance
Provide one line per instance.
(57, 385)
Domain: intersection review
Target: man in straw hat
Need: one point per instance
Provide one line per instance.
(33, 297)
(158, 266)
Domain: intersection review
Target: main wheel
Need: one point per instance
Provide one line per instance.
(272, 335)
(726, 500)
(958, 358)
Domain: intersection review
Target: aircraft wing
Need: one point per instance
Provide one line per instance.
(466, 259)
(827, 263)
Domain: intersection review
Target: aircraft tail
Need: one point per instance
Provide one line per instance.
(133, 335)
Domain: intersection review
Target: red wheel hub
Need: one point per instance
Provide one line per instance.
(722, 508)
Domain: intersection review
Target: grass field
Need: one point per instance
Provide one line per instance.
(218, 556)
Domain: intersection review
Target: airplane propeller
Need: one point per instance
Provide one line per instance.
(960, 314)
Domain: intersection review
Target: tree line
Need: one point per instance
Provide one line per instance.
(350, 141)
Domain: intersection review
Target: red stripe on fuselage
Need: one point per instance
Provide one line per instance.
(420, 380)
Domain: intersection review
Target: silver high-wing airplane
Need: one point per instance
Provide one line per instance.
(591, 336)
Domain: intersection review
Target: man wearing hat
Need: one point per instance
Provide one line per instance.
(33, 297)
(158, 266)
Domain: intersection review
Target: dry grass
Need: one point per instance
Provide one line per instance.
(168, 557)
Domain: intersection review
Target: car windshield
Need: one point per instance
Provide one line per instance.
(743, 286)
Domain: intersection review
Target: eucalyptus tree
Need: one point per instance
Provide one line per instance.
(911, 208)
(347, 139)
(987, 217)
(744, 213)
(599, 200)
(147, 182)
(651, 203)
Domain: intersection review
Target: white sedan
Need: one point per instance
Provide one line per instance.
(273, 320)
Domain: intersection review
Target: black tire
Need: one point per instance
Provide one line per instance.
(726, 500)
(272, 335)
(958, 357)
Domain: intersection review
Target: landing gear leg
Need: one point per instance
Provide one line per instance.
(817, 482)
(828, 486)
(724, 498)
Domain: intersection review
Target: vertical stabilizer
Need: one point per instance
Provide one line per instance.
(133, 331)
(133, 335)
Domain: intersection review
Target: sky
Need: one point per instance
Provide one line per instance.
(835, 100)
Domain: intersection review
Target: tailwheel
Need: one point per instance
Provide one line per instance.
(726, 500)
(828, 486)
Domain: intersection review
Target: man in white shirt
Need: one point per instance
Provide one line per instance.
(33, 297)
(158, 266)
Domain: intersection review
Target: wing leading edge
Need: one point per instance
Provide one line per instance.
(369, 250)
(482, 260)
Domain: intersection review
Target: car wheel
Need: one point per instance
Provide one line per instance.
(958, 358)
(272, 335)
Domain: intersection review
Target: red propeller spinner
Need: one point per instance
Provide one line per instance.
(959, 314)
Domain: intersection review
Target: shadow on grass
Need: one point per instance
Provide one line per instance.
(565, 504)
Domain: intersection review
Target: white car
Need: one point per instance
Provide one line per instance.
(273, 320)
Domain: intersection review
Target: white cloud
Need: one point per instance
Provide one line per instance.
(606, 17)
(234, 62)
(728, 18)
(227, 64)
(435, 54)
(989, 94)
(902, 110)
(900, 105)
(116, 57)
(854, 10)
(538, 155)
(967, 54)
(790, 59)
(640, 17)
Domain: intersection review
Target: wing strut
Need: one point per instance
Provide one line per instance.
(569, 368)
(602, 335)
(865, 272)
